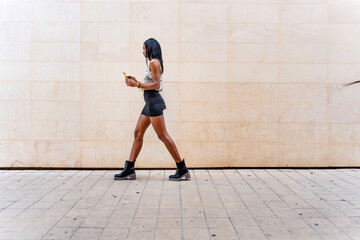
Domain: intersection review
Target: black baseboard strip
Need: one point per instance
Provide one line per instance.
(193, 168)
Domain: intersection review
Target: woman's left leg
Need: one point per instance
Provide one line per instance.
(160, 129)
(158, 124)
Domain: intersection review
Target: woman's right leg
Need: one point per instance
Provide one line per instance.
(128, 173)
(141, 126)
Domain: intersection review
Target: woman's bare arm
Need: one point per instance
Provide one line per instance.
(155, 69)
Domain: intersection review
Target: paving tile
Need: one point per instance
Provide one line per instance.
(354, 233)
(147, 213)
(169, 204)
(5, 220)
(144, 223)
(42, 204)
(355, 203)
(44, 222)
(193, 213)
(223, 233)
(261, 212)
(115, 234)
(279, 233)
(149, 203)
(21, 204)
(191, 205)
(319, 204)
(331, 213)
(273, 228)
(119, 222)
(250, 233)
(215, 204)
(141, 234)
(287, 213)
(5, 204)
(332, 234)
(11, 212)
(345, 222)
(59, 213)
(31, 232)
(8, 233)
(194, 222)
(173, 213)
(196, 233)
(308, 213)
(87, 233)
(305, 234)
(168, 233)
(70, 222)
(319, 223)
(276, 204)
(19, 223)
(217, 212)
(59, 233)
(219, 223)
(295, 223)
(239, 223)
(169, 223)
(351, 212)
(94, 222)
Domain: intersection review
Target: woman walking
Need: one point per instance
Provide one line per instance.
(152, 113)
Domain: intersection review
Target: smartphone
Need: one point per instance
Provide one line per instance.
(126, 76)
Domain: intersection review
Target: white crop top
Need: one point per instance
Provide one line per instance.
(148, 79)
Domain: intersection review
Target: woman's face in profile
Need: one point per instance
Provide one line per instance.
(144, 50)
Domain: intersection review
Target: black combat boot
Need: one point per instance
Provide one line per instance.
(181, 172)
(128, 173)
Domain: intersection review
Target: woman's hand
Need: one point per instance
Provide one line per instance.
(131, 81)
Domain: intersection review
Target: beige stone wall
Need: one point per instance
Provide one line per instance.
(247, 83)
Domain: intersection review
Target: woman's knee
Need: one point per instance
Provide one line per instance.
(164, 137)
(138, 134)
